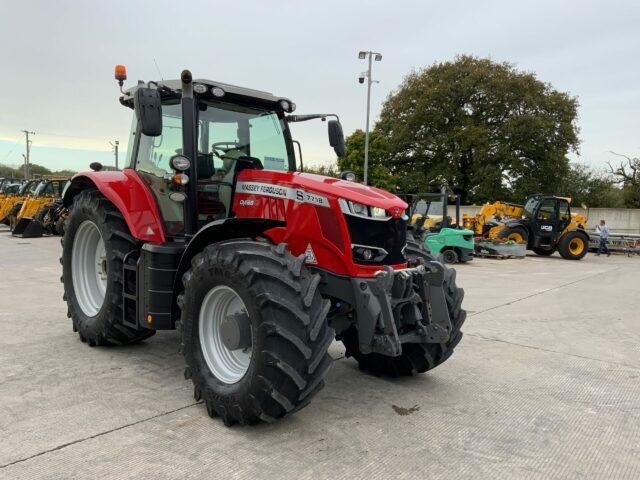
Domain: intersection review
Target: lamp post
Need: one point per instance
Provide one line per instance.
(377, 57)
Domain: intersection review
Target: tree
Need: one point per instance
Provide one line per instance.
(325, 170)
(627, 174)
(479, 127)
(591, 188)
(379, 174)
(35, 170)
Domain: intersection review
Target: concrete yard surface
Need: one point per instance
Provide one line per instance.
(545, 384)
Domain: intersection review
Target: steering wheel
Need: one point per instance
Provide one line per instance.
(224, 147)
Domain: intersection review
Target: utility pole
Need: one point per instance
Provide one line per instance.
(26, 155)
(115, 151)
(371, 56)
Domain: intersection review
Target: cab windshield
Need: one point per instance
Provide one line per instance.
(227, 132)
(529, 207)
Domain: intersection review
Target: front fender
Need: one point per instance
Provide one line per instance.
(217, 231)
(130, 196)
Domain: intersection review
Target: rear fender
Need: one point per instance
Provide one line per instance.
(217, 231)
(567, 230)
(130, 196)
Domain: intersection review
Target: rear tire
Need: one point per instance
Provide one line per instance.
(97, 323)
(415, 358)
(574, 245)
(517, 234)
(289, 334)
(449, 256)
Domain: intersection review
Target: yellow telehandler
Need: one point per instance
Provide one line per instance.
(544, 224)
(28, 221)
(9, 202)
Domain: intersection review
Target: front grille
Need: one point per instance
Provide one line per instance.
(390, 235)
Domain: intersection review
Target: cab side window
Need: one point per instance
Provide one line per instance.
(152, 163)
(547, 210)
(563, 210)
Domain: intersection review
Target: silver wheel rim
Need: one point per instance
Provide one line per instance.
(89, 268)
(228, 366)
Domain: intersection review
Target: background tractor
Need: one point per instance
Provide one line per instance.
(544, 224)
(431, 224)
(35, 209)
(212, 230)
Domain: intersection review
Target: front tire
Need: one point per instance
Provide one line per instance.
(278, 364)
(93, 247)
(450, 256)
(574, 245)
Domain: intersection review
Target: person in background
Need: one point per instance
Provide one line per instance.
(603, 231)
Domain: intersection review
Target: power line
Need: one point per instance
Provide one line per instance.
(12, 149)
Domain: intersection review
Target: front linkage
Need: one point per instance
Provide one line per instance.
(395, 307)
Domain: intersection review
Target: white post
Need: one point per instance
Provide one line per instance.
(366, 134)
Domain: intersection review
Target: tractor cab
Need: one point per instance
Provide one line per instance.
(226, 129)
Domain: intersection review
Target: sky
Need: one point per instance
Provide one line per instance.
(58, 59)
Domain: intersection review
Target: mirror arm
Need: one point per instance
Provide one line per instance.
(313, 116)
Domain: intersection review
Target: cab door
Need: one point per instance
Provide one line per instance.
(564, 216)
(545, 223)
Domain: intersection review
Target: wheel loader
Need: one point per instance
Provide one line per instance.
(8, 186)
(544, 224)
(10, 206)
(212, 230)
(35, 209)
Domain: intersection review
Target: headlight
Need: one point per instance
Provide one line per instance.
(361, 210)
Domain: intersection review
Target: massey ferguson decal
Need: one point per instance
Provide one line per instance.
(279, 191)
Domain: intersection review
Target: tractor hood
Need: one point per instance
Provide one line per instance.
(352, 191)
(326, 186)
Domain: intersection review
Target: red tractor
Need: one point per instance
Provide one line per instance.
(211, 229)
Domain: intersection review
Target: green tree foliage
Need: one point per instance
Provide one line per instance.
(379, 173)
(627, 175)
(35, 170)
(479, 127)
(325, 170)
(591, 188)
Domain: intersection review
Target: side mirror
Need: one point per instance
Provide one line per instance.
(336, 138)
(148, 107)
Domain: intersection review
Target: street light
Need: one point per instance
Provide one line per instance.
(377, 57)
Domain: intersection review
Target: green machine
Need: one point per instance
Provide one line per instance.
(431, 224)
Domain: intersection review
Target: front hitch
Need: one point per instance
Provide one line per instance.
(401, 306)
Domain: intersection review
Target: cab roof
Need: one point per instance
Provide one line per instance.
(175, 86)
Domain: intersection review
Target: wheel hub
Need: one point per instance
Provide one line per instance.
(89, 268)
(235, 331)
(225, 334)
